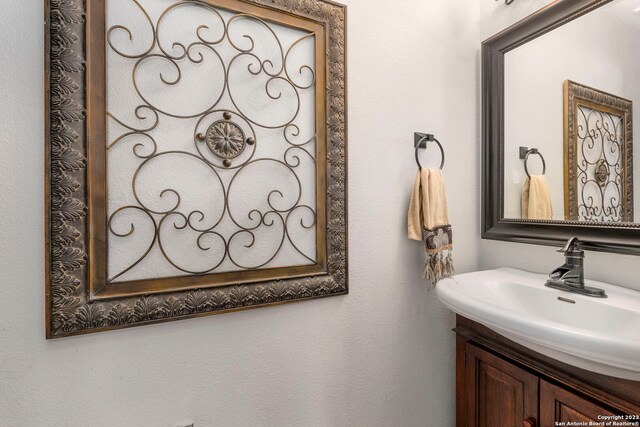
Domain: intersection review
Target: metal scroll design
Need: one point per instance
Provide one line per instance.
(599, 179)
(224, 142)
(70, 311)
(600, 166)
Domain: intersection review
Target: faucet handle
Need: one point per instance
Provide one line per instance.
(571, 245)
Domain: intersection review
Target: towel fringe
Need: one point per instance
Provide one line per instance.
(439, 248)
(438, 266)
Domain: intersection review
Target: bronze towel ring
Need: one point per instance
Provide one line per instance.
(525, 153)
(421, 140)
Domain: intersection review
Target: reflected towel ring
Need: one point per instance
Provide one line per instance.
(525, 153)
(421, 140)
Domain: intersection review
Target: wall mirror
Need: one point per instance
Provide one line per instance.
(561, 95)
(196, 158)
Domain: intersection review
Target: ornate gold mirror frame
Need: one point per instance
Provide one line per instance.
(82, 296)
(598, 141)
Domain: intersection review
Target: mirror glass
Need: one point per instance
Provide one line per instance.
(571, 97)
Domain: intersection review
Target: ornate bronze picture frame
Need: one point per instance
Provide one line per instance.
(82, 295)
(598, 141)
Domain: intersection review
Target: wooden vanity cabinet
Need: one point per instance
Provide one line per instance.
(559, 404)
(502, 384)
(498, 393)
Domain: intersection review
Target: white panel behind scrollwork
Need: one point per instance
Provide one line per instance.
(211, 141)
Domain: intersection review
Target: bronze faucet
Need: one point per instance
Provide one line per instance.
(570, 276)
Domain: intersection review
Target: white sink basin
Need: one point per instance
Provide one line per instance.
(598, 334)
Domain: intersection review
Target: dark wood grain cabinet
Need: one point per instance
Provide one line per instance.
(502, 384)
(498, 392)
(560, 405)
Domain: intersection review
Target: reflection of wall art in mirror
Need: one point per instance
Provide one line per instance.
(598, 155)
(202, 167)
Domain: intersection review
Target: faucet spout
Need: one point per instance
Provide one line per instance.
(572, 275)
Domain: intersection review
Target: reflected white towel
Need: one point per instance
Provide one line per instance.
(536, 198)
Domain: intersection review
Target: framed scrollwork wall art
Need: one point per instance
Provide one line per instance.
(195, 158)
(598, 155)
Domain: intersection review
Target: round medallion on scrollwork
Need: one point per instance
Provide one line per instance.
(225, 139)
(602, 173)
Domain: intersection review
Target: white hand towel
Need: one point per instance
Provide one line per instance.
(428, 220)
(536, 198)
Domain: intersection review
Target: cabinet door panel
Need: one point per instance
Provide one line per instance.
(499, 394)
(560, 405)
